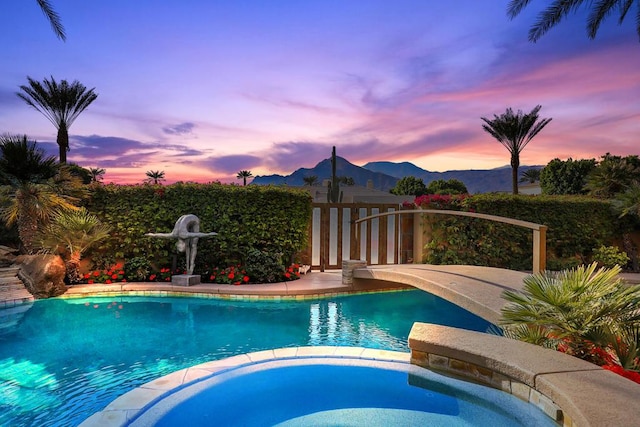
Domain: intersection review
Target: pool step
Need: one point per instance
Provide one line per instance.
(12, 290)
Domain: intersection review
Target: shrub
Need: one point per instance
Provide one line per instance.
(264, 267)
(576, 224)
(137, 269)
(583, 312)
(267, 218)
(610, 256)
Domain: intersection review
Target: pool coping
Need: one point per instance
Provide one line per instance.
(568, 389)
(127, 408)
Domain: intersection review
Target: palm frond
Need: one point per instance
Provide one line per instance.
(54, 19)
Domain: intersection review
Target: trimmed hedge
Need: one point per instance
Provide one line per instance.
(271, 219)
(576, 226)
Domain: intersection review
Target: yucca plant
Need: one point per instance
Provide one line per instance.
(70, 233)
(587, 312)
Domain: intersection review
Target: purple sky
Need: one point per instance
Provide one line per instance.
(202, 89)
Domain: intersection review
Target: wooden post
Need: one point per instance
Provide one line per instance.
(418, 238)
(539, 249)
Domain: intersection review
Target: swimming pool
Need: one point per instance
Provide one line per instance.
(68, 358)
(337, 391)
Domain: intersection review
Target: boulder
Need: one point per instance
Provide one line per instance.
(43, 275)
(7, 256)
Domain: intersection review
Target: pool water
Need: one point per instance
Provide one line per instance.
(338, 392)
(69, 358)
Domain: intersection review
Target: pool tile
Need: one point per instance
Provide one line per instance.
(196, 373)
(168, 382)
(106, 419)
(349, 351)
(315, 351)
(216, 365)
(376, 354)
(135, 399)
(285, 352)
(261, 355)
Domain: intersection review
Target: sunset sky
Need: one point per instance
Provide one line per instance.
(201, 89)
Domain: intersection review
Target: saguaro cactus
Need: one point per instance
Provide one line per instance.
(334, 195)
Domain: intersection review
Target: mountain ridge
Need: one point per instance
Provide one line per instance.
(385, 174)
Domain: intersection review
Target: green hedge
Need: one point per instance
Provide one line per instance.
(576, 225)
(270, 219)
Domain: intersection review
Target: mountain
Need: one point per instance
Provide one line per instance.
(322, 170)
(476, 181)
(384, 175)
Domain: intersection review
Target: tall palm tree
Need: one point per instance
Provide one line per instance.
(97, 174)
(33, 188)
(559, 9)
(54, 19)
(514, 131)
(61, 103)
(155, 177)
(243, 175)
(310, 180)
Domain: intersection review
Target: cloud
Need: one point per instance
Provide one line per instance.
(111, 151)
(233, 163)
(185, 128)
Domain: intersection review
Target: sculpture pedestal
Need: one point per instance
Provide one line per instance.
(185, 280)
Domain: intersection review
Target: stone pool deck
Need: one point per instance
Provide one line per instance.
(572, 391)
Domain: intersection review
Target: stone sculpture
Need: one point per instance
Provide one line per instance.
(187, 232)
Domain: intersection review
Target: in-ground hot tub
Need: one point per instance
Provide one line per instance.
(332, 391)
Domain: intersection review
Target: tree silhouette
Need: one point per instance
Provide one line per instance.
(531, 176)
(559, 9)
(97, 174)
(243, 175)
(310, 180)
(155, 177)
(61, 103)
(514, 131)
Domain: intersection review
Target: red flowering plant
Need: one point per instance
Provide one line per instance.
(164, 275)
(233, 275)
(239, 274)
(112, 274)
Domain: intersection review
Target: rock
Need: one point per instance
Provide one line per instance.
(7, 256)
(43, 275)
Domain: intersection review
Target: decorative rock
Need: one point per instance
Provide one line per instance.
(43, 275)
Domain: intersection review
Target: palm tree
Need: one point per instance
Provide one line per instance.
(559, 9)
(531, 176)
(613, 175)
(310, 180)
(155, 177)
(33, 187)
(243, 175)
(97, 174)
(54, 19)
(514, 131)
(22, 160)
(578, 311)
(61, 103)
(71, 233)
